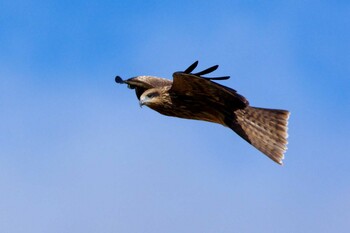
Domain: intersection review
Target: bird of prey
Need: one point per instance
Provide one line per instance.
(193, 96)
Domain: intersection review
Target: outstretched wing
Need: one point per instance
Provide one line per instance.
(143, 83)
(198, 87)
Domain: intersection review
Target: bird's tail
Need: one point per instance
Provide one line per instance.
(265, 129)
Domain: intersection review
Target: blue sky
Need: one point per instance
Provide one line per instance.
(77, 153)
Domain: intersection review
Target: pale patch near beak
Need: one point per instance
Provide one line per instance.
(143, 100)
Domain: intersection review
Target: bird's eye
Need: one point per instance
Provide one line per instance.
(131, 87)
(154, 94)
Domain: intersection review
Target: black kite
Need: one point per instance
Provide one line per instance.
(192, 96)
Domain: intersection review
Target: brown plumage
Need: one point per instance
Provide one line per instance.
(192, 96)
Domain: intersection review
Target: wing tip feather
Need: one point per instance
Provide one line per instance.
(119, 80)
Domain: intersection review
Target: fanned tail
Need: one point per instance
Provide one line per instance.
(265, 129)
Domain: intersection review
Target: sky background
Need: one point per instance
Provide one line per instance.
(78, 154)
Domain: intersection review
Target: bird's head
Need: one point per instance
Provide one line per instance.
(154, 98)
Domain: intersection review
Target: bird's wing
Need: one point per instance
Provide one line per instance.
(148, 82)
(143, 83)
(186, 84)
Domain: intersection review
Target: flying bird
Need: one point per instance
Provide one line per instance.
(193, 96)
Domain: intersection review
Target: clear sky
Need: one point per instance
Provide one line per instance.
(78, 154)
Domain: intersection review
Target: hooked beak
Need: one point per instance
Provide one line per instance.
(143, 101)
